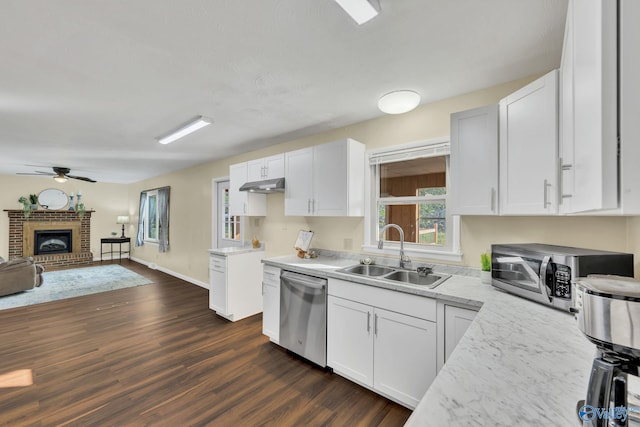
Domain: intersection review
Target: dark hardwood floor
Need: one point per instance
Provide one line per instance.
(155, 355)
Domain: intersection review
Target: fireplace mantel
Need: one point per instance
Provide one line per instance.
(21, 237)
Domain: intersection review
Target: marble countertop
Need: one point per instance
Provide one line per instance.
(519, 363)
(234, 250)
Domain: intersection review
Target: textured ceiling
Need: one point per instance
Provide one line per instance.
(89, 84)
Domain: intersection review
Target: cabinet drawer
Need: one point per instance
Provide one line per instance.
(217, 263)
(271, 274)
(399, 302)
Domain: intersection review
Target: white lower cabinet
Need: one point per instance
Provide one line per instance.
(234, 284)
(350, 339)
(404, 356)
(370, 342)
(271, 302)
(456, 322)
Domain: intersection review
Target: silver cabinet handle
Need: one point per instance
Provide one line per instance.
(245, 208)
(368, 321)
(375, 324)
(493, 199)
(313, 205)
(308, 205)
(546, 201)
(563, 167)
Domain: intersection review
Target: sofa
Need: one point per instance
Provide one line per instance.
(19, 274)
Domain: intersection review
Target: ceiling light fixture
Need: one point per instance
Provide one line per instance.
(60, 178)
(398, 102)
(360, 10)
(186, 129)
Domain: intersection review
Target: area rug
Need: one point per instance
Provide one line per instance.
(75, 282)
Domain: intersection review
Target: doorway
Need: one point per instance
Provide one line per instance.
(228, 229)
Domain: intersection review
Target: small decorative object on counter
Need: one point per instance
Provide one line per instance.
(255, 242)
(303, 242)
(485, 273)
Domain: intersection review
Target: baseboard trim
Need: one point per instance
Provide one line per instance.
(171, 272)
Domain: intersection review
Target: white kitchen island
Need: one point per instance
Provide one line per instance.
(519, 363)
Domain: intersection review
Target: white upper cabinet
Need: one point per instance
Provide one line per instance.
(244, 203)
(325, 180)
(529, 149)
(589, 129)
(271, 167)
(599, 107)
(474, 161)
(629, 107)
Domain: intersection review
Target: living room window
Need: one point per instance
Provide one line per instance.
(153, 219)
(408, 187)
(151, 222)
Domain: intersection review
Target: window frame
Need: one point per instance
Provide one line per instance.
(145, 220)
(449, 252)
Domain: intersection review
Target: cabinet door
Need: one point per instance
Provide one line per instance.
(474, 161)
(350, 339)
(330, 179)
(404, 354)
(529, 148)
(298, 182)
(271, 310)
(255, 170)
(456, 322)
(237, 198)
(218, 285)
(244, 203)
(274, 167)
(595, 134)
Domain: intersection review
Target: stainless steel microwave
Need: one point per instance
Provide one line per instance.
(546, 273)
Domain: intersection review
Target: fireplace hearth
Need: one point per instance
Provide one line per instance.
(52, 242)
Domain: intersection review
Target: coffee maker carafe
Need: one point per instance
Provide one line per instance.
(608, 312)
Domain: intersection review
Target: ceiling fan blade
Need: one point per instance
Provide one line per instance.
(36, 173)
(81, 178)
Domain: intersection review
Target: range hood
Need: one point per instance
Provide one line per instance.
(265, 187)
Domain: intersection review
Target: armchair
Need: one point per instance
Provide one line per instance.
(19, 275)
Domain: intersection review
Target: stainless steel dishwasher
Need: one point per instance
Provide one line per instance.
(303, 316)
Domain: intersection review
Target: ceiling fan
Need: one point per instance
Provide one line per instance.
(60, 174)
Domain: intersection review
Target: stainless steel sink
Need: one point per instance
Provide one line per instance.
(367, 270)
(430, 280)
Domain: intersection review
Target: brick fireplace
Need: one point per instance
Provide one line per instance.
(22, 236)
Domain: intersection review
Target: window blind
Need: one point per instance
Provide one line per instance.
(433, 150)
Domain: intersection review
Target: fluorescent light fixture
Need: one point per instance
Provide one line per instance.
(360, 10)
(399, 101)
(186, 129)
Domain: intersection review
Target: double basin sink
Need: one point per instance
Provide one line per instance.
(427, 279)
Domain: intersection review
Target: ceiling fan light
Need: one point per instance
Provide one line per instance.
(186, 129)
(60, 178)
(398, 102)
(360, 10)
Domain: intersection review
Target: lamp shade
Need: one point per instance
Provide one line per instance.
(123, 219)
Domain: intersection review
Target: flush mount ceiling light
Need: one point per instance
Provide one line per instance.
(186, 129)
(398, 102)
(360, 10)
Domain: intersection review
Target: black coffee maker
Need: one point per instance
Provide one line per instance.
(608, 312)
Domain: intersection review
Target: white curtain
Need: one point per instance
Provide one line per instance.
(163, 219)
(141, 211)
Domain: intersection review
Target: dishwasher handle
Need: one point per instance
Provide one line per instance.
(303, 280)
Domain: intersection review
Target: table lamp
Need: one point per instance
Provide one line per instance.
(123, 219)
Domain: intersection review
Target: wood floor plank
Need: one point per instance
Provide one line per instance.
(155, 355)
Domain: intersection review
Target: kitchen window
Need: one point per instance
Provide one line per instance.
(409, 187)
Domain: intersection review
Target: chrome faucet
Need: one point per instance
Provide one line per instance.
(404, 260)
